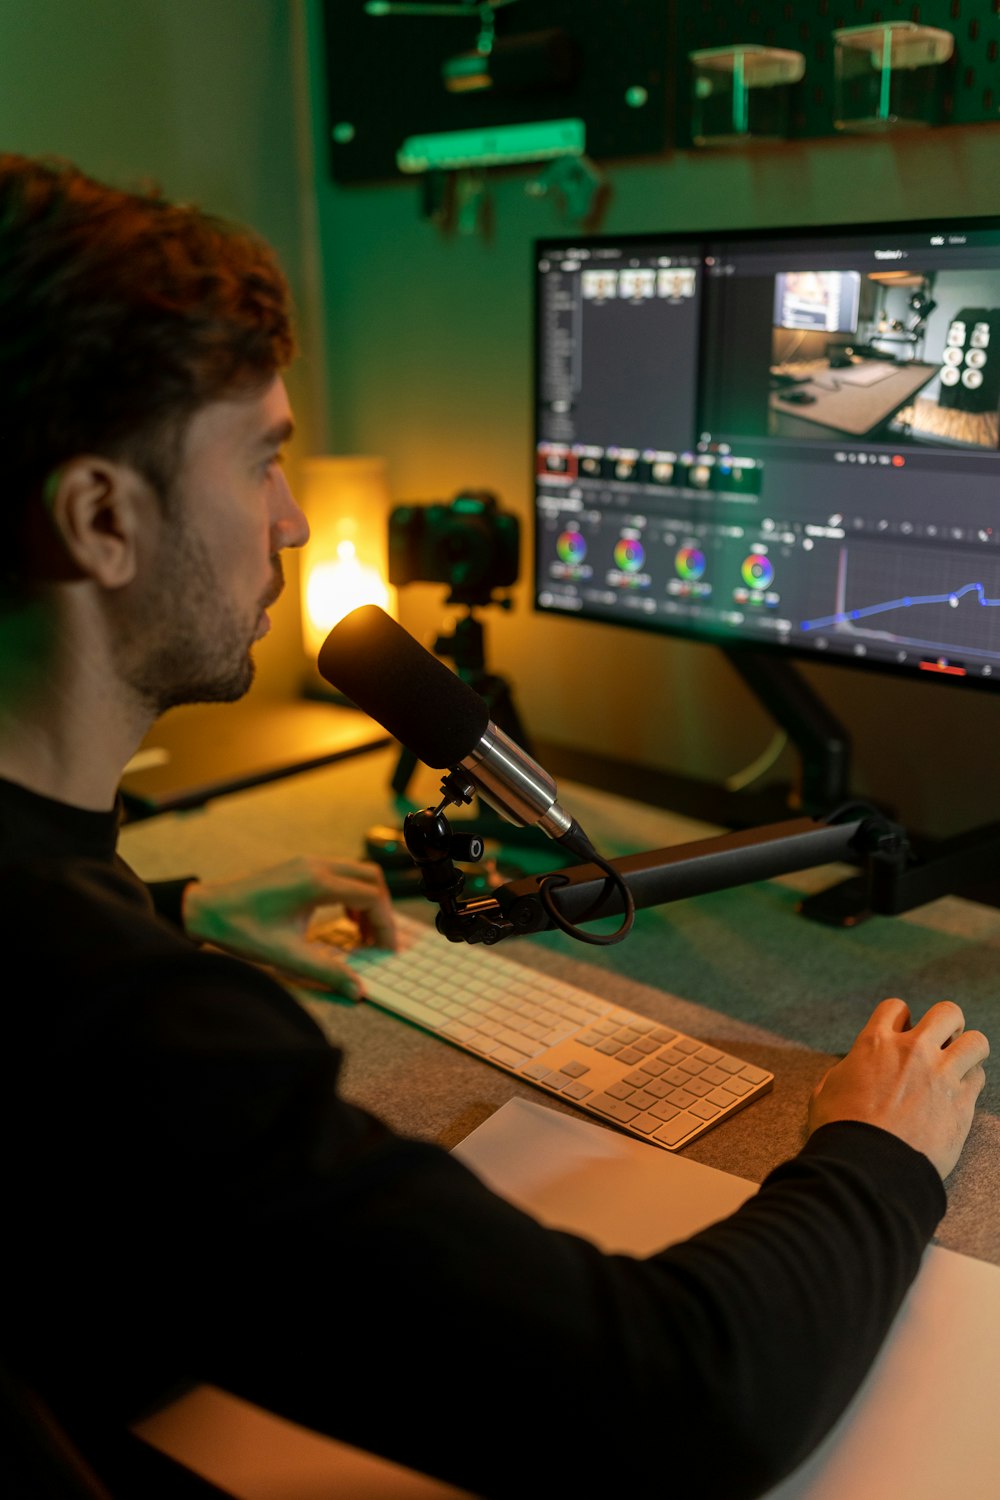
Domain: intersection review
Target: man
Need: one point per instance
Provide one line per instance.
(188, 1197)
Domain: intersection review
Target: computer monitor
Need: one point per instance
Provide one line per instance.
(783, 439)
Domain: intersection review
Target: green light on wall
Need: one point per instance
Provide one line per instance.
(453, 149)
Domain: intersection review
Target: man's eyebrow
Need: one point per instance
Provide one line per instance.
(277, 435)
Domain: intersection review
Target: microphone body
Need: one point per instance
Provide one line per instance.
(514, 785)
(430, 710)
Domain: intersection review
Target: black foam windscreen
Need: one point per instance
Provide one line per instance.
(421, 702)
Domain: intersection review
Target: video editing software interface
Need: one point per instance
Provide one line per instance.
(777, 438)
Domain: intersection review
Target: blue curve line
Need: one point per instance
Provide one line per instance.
(877, 609)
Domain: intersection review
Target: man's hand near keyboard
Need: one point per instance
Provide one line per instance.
(299, 918)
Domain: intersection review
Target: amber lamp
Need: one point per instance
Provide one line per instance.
(345, 562)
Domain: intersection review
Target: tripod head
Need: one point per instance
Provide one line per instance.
(472, 546)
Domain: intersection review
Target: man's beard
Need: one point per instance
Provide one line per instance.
(190, 646)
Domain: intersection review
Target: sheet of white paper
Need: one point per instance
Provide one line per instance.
(926, 1423)
(621, 1193)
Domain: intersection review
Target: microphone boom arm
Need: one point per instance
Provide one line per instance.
(584, 893)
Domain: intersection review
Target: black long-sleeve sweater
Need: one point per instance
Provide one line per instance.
(190, 1199)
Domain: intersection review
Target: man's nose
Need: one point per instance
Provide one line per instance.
(290, 527)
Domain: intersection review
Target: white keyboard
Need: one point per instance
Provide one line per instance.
(654, 1082)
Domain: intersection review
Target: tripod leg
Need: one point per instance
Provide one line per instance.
(503, 711)
(403, 774)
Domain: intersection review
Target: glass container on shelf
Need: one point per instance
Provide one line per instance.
(890, 75)
(740, 93)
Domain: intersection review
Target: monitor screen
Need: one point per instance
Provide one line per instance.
(782, 439)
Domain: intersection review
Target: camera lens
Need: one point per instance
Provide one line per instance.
(465, 551)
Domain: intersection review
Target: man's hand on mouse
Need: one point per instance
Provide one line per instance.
(918, 1080)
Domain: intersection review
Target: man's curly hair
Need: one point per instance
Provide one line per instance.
(121, 314)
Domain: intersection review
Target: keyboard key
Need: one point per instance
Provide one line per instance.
(506, 1056)
(751, 1074)
(724, 1097)
(616, 1108)
(698, 1086)
(628, 1055)
(659, 1088)
(676, 1130)
(681, 1097)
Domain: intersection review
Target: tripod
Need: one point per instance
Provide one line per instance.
(465, 646)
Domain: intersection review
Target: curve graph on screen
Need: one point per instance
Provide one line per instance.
(951, 598)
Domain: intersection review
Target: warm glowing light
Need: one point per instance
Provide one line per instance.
(345, 562)
(333, 589)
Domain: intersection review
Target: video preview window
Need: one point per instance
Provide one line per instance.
(909, 356)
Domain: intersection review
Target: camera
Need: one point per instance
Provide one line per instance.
(469, 544)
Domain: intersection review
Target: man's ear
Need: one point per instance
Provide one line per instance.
(96, 507)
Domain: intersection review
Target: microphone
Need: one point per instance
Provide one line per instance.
(429, 709)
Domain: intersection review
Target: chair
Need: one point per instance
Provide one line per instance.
(40, 1461)
(37, 1458)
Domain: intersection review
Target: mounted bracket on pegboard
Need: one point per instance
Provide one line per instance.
(867, 67)
(436, 90)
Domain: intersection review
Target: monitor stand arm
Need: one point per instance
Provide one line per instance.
(954, 866)
(584, 893)
(824, 750)
(822, 742)
(887, 887)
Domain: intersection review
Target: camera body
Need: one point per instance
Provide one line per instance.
(469, 544)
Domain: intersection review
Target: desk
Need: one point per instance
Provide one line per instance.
(855, 401)
(205, 750)
(745, 972)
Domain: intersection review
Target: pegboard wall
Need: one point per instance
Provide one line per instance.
(383, 75)
(971, 93)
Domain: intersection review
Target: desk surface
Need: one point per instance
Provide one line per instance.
(739, 968)
(855, 401)
(206, 750)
